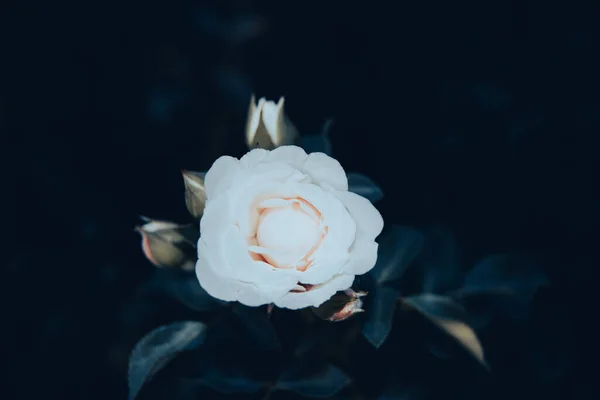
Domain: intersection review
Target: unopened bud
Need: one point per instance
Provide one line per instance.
(167, 244)
(267, 126)
(341, 306)
(195, 196)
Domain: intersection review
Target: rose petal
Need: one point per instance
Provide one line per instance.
(218, 216)
(253, 157)
(317, 295)
(220, 176)
(367, 218)
(363, 255)
(235, 252)
(333, 253)
(223, 288)
(326, 171)
(294, 155)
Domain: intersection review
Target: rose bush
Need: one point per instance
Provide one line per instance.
(281, 227)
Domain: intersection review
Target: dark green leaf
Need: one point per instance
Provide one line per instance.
(441, 261)
(257, 330)
(451, 318)
(318, 143)
(186, 289)
(380, 307)
(437, 306)
(322, 382)
(504, 273)
(155, 350)
(397, 250)
(226, 382)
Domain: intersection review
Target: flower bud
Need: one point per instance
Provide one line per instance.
(195, 196)
(267, 126)
(341, 306)
(167, 244)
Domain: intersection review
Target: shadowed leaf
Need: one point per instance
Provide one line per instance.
(504, 273)
(258, 330)
(380, 314)
(440, 260)
(400, 392)
(449, 316)
(397, 250)
(229, 382)
(364, 186)
(322, 382)
(155, 350)
(185, 288)
(318, 143)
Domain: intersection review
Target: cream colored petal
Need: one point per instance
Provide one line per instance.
(272, 119)
(333, 253)
(223, 288)
(294, 155)
(326, 171)
(253, 119)
(234, 251)
(279, 128)
(253, 157)
(367, 218)
(316, 295)
(363, 256)
(220, 176)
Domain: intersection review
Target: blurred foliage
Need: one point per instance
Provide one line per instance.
(478, 119)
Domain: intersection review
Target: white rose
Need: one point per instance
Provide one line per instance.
(281, 227)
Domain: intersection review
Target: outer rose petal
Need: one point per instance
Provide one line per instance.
(363, 256)
(317, 295)
(294, 155)
(253, 157)
(368, 219)
(226, 289)
(220, 176)
(326, 170)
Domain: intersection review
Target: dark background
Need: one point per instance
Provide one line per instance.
(482, 116)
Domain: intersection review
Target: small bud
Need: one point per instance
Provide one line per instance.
(167, 244)
(267, 126)
(341, 306)
(195, 196)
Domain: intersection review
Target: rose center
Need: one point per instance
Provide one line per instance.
(289, 233)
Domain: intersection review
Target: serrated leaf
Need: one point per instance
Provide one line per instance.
(155, 350)
(380, 309)
(397, 250)
(504, 273)
(449, 316)
(364, 186)
(257, 328)
(321, 382)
